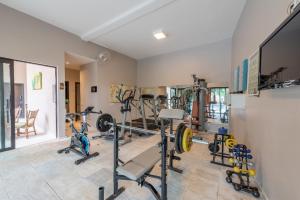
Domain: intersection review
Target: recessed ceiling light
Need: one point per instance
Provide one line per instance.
(159, 35)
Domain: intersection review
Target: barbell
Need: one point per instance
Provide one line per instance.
(183, 137)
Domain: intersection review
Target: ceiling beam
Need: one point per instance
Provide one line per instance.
(130, 15)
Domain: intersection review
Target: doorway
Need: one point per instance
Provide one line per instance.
(67, 95)
(35, 103)
(77, 99)
(76, 87)
(28, 104)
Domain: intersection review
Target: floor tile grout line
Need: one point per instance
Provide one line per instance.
(53, 190)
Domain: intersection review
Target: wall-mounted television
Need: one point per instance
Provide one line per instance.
(280, 55)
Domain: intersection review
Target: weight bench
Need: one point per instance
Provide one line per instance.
(141, 164)
(140, 167)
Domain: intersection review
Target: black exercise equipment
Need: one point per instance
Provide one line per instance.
(80, 143)
(125, 98)
(214, 147)
(101, 126)
(140, 167)
(177, 139)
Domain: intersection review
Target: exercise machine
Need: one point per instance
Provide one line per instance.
(125, 98)
(80, 143)
(161, 102)
(139, 168)
(145, 101)
(200, 91)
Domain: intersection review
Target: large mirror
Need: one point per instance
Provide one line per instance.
(205, 114)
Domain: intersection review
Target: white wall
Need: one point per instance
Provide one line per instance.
(20, 72)
(210, 62)
(269, 125)
(20, 76)
(72, 76)
(25, 38)
(44, 99)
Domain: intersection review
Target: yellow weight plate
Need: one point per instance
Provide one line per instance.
(187, 140)
(230, 143)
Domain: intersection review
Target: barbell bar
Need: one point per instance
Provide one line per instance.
(141, 130)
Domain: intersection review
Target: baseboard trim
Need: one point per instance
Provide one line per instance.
(263, 194)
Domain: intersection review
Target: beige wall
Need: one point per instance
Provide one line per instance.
(72, 76)
(122, 71)
(119, 70)
(210, 62)
(89, 78)
(25, 38)
(268, 124)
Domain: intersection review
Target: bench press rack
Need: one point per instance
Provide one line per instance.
(158, 153)
(140, 167)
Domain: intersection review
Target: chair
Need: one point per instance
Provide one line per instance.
(18, 112)
(29, 124)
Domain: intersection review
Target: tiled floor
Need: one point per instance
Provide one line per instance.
(39, 173)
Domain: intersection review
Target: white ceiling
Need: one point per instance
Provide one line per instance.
(73, 61)
(127, 26)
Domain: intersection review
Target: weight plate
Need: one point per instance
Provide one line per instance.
(230, 143)
(179, 127)
(187, 140)
(100, 124)
(211, 147)
(180, 136)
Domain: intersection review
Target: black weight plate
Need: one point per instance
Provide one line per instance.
(211, 147)
(100, 124)
(181, 133)
(179, 127)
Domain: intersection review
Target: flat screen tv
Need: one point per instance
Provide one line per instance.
(280, 55)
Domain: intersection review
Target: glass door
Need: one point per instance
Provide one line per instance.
(7, 112)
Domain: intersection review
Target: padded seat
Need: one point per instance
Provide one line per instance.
(162, 97)
(147, 96)
(141, 164)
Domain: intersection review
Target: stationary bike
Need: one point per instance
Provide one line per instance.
(80, 143)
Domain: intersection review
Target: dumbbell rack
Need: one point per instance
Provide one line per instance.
(220, 139)
(244, 178)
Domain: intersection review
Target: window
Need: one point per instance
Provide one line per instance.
(217, 105)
